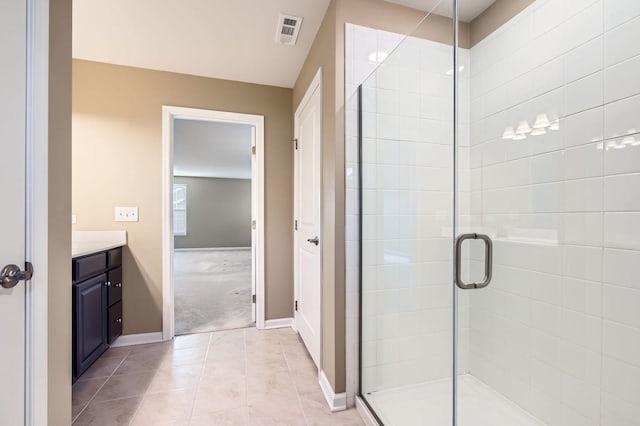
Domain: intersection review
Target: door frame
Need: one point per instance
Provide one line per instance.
(169, 114)
(316, 84)
(37, 213)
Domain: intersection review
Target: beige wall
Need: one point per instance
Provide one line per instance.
(59, 273)
(117, 141)
(322, 54)
(218, 213)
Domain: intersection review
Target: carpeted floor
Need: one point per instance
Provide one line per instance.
(212, 290)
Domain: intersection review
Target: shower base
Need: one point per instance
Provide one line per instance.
(429, 404)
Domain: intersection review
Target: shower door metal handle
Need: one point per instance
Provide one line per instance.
(488, 261)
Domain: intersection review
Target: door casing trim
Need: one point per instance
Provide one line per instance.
(169, 114)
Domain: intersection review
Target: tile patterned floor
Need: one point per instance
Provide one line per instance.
(236, 377)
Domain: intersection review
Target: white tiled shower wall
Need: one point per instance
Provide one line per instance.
(558, 329)
(407, 205)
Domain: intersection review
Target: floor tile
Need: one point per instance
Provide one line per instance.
(212, 397)
(270, 383)
(103, 367)
(147, 360)
(192, 340)
(343, 418)
(110, 413)
(181, 377)
(274, 410)
(124, 386)
(83, 391)
(232, 417)
(165, 408)
(306, 381)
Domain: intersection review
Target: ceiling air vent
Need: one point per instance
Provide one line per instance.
(288, 29)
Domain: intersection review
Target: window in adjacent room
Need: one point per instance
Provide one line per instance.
(180, 209)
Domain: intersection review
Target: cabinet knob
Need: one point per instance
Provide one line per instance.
(119, 285)
(108, 284)
(119, 320)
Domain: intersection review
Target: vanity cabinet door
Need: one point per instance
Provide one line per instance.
(115, 322)
(89, 322)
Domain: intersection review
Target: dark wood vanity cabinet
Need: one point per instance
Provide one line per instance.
(97, 306)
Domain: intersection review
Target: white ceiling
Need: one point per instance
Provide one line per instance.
(227, 39)
(209, 149)
(468, 10)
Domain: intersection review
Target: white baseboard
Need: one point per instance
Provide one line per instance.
(137, 339)
(212, 249)
(337, 402)
(365, 414)
(278, 323)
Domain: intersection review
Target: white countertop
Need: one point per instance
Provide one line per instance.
(89, 242)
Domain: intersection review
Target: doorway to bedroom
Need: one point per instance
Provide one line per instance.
(213, 225)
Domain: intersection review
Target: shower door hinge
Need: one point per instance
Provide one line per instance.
(295, 224)
(296, 305)
(295, 141)
(253, 298)
(253, 150)
(253, 224)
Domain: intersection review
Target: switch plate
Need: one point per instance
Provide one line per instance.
(74, 219)
(126, 214)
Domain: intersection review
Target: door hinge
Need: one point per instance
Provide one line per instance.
(253, 224)
(253, 150)
(295, 225)
(295, 141)
(296, 305)
(253, 298)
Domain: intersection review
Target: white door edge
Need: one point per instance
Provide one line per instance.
(316, 84)
(169, 114)
(37, 223)
(254, 219)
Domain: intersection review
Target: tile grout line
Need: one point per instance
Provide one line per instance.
(144, 394)
(99, 389)
(197, 388)
(246, 375)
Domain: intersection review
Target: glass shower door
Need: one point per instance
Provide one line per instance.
(406, 239)
(542, 176)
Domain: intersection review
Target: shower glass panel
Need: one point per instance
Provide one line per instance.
(407, 220)
(543, 160)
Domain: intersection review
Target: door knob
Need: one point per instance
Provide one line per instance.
(315, 240)
(11, 275)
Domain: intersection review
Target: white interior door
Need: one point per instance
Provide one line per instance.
(12, 212)
(308, 246)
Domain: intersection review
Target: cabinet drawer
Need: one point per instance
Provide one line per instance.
(114, 286)
(115, 321)
(115, 257)
(87, 266)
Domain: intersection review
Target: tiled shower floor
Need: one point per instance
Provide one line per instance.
(429, 404)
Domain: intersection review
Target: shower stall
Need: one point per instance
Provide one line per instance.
(493, 214)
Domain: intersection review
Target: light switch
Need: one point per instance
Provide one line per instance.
(126, 214)
(74, 219)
